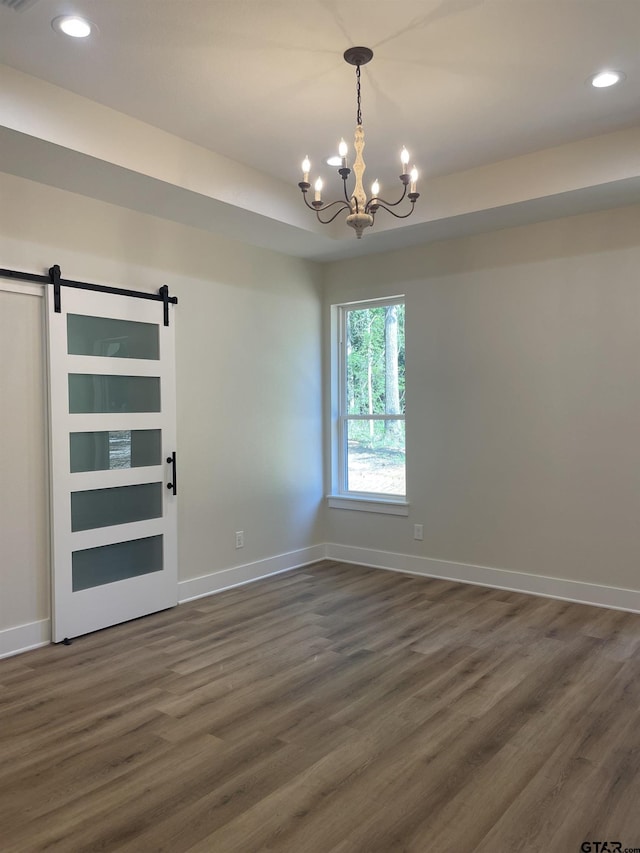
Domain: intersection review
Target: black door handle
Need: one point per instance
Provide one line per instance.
(174, 484)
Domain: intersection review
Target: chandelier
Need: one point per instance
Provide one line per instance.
(361, 210)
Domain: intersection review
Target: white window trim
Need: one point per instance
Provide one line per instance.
(339, 498)
(368, 504)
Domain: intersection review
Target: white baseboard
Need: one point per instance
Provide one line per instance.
(22, 638)
(35, 634)
(567, 590)
(219, 581)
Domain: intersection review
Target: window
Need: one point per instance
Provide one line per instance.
(369, 443)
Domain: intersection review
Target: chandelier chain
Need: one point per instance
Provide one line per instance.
(359, 113)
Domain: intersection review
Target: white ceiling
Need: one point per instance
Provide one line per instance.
(490, 97)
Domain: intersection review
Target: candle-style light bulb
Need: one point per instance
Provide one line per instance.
(375, 189)
(343, 149)
(318, 188)
(404, 159)
(306, 168)
(414, 180)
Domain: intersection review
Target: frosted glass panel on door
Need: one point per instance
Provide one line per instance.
(111, 338)
(105, 507)
(97, 393)
(108, 563)
(116, 449)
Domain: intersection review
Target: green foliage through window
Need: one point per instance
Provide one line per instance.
(373, 392)
(375, 360)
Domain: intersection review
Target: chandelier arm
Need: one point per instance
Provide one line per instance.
(313, 206)
(337, 213)
(399, 215)
(383, 201)
(304, 198)
(343, 206)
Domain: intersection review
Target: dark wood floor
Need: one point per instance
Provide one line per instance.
(334, 708)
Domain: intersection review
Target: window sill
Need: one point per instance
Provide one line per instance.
(385, 507)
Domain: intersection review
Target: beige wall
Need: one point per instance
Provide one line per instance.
(248, 336)
(522, 387)
(24, 544)
(523, 398)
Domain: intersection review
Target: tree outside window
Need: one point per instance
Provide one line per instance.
(372, 399)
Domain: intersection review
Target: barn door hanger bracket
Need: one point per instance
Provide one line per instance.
(161, 296)
(54, 276)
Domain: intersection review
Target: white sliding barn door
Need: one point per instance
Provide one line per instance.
(112, 450)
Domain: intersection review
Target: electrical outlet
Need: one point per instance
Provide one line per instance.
(239, 538)
(417, 531)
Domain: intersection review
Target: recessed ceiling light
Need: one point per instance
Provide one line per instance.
(73, 25)
(604, 79)
(334, 161)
